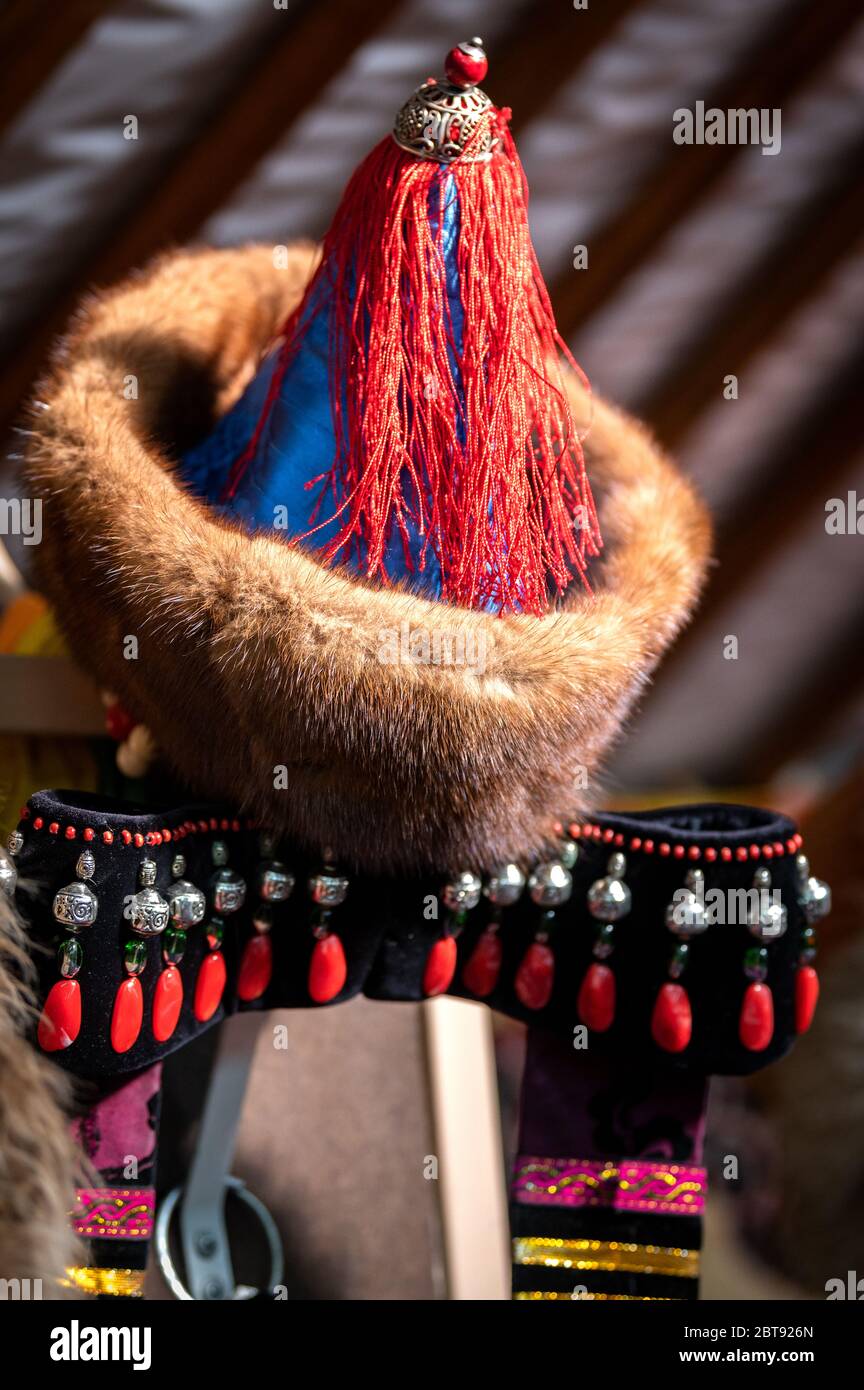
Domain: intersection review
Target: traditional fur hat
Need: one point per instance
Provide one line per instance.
(302, 691)
(254, 655)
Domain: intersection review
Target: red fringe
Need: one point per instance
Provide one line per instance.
(504, 503)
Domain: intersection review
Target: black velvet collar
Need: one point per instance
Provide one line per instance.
(387, 928)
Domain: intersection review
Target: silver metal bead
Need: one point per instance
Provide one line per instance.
(815, 899)
(616, 866)
(187, 905)
(178, 866)
(550, 884)
(76, 906)
(462, 893)
(228, 890)
(15, 843)
(695, 880)
(769, 922)
(328, 889)
(147, 873)
(504, 885)
(568, 853)
(219, 853)
(8, 874)
(762, 879)
(148, 910)
(86, 866)
(802, 867)
(609, 899)
(275, 882)
(686, 915)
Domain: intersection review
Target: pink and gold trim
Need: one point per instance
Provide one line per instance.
(114, 1213)
(634, 1185)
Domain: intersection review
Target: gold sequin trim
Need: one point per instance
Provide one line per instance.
(606, 1255)
(123, 1283)
(533, 1295)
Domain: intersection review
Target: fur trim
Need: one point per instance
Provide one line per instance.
(253, 657)
(38, 1157)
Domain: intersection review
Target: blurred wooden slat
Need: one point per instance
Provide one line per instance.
(35, 37)
(828, 686)
(544, 50)
(774, 68)
(788, 273)
(791, 484)
(312, 48)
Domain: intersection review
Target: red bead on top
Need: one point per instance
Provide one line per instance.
(466, 65)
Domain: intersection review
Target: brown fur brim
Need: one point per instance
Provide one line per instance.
(254, 658)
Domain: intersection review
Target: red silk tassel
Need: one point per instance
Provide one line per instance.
(504, 503)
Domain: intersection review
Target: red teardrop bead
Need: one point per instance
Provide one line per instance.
(672, 1019)
(596, 1002)
(209, 986)
(806, 997)
(440, 966)
(256, 968)
(128, 1014)
(535, 976)
(60, 1021)
(483, 966)
(167, 1003)
(328, 969)
(756, 1022)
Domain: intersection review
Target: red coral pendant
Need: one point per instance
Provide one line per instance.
(255, 968)
(672, 1019)
(60, 1021)
(328, 969)
(128, 1014)
(209, 986)
(806, 997)
(756, 1022)
(535, 976)
(440, 966)
(481, 970)
(167, 1003)
(596, 1002)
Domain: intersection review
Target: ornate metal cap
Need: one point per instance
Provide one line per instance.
(444, 116)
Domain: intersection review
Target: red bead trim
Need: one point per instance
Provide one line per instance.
(679, 850)
(152, 837)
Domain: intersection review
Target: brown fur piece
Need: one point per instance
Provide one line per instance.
(38, 1158)
(252, 655)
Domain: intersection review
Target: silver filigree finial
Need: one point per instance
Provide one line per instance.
(451, 118)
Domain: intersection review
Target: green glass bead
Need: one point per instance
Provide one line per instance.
(678, 963)
(174, 945)
(215, 933)
(70, 958)
(604, 940)
(135, 956)
(756, 963)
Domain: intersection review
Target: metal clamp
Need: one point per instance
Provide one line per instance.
(208, 1249)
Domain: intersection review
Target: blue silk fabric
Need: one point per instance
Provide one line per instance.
(297, 443)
